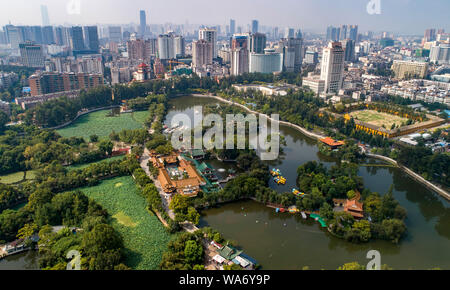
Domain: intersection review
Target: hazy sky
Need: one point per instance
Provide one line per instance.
(408, 16)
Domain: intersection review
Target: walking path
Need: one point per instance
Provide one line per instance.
(317, 136)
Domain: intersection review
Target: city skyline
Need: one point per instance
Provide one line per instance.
(400, 16)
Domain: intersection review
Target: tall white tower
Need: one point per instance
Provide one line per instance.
(332, 68)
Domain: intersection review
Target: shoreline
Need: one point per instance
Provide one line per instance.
(417, 177)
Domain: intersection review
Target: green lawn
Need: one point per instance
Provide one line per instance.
(97, 123)
(16, 177)
(84, 165)
(144, 236)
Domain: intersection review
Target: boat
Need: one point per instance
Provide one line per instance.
(279, 180)
(304, 215)
(275, 172)
(297, 192)
(293, 209)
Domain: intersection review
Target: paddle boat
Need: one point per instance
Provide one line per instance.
(297, 192)
(279, 180)
(275, 172)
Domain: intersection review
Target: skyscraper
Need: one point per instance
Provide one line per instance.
(210, 35)
(143, 23)
(232, 26)
(239, 54)
(257, 42)
(48, 35)
(115, 34)
(291, 48)
(430, 35)
(44, 14)
(13, 36)
(179, 46)
(289, 33)
(166, 48)
(349, 47)
(254, 26)
(202, 53)
(343, 33)
(77, 40)
(91, 38)
(332, 67)
(353, 32)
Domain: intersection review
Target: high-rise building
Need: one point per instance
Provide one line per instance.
(36, 35)
(77, 39)
(142, 50)
(44, 14)
(239, 54)
(409, 69)
(311, 57)
(232, 26)
(115, 34)
(292, 50)
(267, 62)
(179, 46)
(210, 35)
(440, 54)
(142, 23)
(48, 35)
(49, 82)
(289, 33)
(332, 68)
(257, 42)
(202, 53)
(430, 35)
(239, 61)
(3, 37)
(13, 36)
(255, 26)
(91, 38)
(333, 33)
(343, 32)
(349, 46)
(353, 32)
(166, 47)
(31, 55)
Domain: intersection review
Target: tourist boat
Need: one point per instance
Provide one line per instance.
(275, 172)
(279, 180)
(293, 209)
(297, 192)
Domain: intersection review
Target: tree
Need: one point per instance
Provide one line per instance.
(93, 138)
(352, 266)
(27, 231)
(326, 211)
(106, 147)
(193, 252)
(362, 230)
(3, 120)
(193, 216)
(394, 229)
(101, 239)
